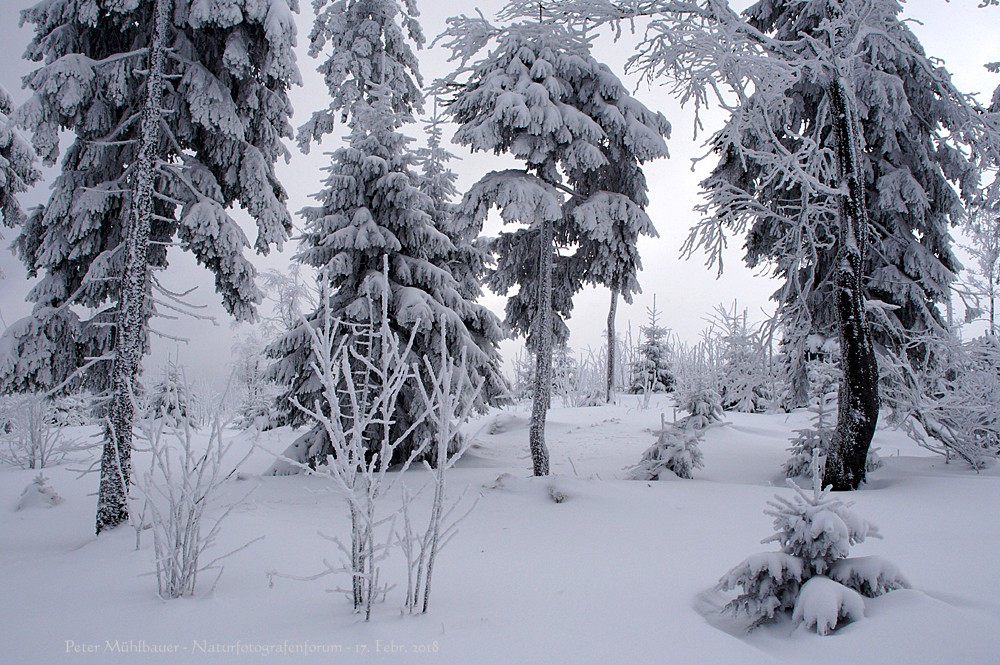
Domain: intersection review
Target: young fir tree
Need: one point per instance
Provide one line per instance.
(17, 165)
(177, 111)
(538, 95)
(815, 532)
(437, 181)
(378, 233)
(170, 397)
(838, 155)
(651, 371)
(676, 450)
(745, 363)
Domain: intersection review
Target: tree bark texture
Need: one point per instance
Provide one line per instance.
(612, 346)
(858, 407)
(116, 458)
(543, 353)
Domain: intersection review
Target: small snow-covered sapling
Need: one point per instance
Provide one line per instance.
(675, 451)
(812, 575)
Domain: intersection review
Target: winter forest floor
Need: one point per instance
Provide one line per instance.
(619, 572)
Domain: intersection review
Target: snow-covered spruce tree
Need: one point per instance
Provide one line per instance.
(468, 258)
(375, 233)
(177, 111)
(609, 212)
(746, 370)
(651, 370)
(565, 371)
(801, 356)
(811, 576)
(909, 198)
(257, 406)
(675, 450)
(702, 402)
(17, 164)
(536, 93)
(366, 43)
(523, 378)
(838, 159)
(170, 398)
(287, 297)
(73, 409)
(813, 440)
(471, 254)
(696, 380)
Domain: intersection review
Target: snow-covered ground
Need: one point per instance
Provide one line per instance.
(619, 572)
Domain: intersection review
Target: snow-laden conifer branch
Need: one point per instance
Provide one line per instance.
(947, 404)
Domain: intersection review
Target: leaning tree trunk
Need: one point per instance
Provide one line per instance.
(857, 412)
(612, 346)
(543, 353)
(116, 458)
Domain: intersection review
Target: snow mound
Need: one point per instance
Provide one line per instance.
(824, 603)
(38, 495)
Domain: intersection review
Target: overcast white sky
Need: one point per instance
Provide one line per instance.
(964, 36)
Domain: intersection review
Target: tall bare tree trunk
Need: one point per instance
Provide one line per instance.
(543, 354)
(116, 458)
(857, 412)
(612, 346)
(993, 305)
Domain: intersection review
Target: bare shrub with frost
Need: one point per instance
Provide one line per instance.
(29, 438)
(179, 499)
(579, 380)
(451, 398)
(813, 440)
(363, 370)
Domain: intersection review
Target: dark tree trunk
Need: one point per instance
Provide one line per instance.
(116, 457)
(543, 354)
(993, 308)
(612, 346)
(858, 407)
